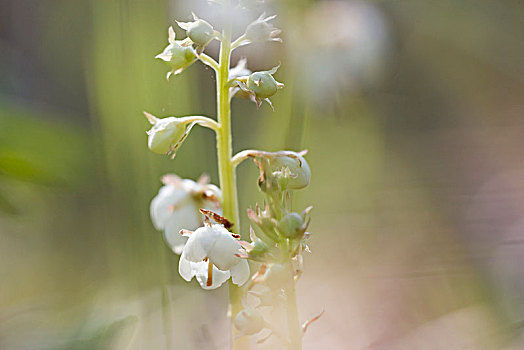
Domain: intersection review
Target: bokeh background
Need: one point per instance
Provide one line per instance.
(412, 113)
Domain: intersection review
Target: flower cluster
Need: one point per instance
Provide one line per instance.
(190, 213)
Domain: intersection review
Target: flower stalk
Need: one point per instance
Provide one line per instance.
(213, 253)
(226, 168)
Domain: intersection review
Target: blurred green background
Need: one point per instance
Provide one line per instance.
(412, 113)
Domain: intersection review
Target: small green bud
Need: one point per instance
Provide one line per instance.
(291, 225)
(167, 134)
(200, 32)
(260, 30)
(259, 249)
(178, 54)
(298, 167)
(249, 321)
(262, 84)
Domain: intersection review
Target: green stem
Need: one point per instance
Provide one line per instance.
(226, 170)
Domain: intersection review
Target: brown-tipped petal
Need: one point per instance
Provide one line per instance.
(235, 235)
(306, 324)
(186, 233)
(218, 218)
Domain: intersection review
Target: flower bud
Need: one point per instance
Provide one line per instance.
(262, 84)
(178, 57)
(249, 321)
(178, 54)
(200, 32)
(291, 225)
(260, 248)
(300, 173)
(167, 134)
(260, 30)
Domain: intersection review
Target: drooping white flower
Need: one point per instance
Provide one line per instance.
(177, 206)
(211, 255)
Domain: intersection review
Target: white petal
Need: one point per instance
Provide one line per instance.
(219, 277)
(161, 206)
(189, 185)
(175, 241)
(223, 252)
(185, 217)
(185, 269)
(202, 242)
(240, 272)
(193, 250)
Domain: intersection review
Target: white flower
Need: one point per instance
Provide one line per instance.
(177, 206)
(210, 255)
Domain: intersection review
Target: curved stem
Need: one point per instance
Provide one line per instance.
(238, 42)
(209, 61)
(202, 121)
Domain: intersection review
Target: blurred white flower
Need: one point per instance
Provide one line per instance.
(346, 48)
(177, 204)
(211, 255)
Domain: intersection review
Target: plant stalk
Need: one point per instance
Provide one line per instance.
(226, 171)
(293, 322)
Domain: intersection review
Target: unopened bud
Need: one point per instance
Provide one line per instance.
(249, 321)
(261, 30)
(260, 248)
(200, 32)
(291, 225)
(167, 135)
(178, 54)
(300, 173)
(262, 84)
